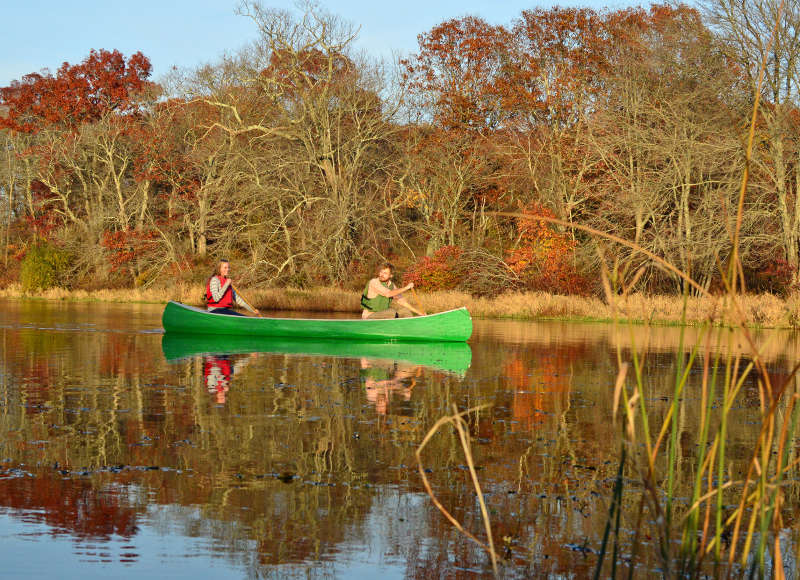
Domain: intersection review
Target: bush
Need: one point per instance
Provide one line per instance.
(777, 277)
(44, 266)
(476, 271)
(442, 271)
(543, 261)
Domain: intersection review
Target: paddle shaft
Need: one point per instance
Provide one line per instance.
(416, 299)
(239, 294)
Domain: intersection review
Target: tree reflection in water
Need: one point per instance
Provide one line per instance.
(309, 465)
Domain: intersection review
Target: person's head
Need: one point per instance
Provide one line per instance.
(385, 272)
(223, 268)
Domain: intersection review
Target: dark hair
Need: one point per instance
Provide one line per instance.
(386, 265)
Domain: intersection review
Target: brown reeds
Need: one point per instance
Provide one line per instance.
(755, 311)
(457, 419)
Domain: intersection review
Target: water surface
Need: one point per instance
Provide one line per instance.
(125, 452)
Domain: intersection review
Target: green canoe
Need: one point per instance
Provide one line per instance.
(453, 325)
(454, 357)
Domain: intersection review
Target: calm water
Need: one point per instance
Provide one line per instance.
(125, 452)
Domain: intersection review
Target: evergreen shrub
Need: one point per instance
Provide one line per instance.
(43, 267)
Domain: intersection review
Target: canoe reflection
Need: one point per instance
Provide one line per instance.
(454, 357)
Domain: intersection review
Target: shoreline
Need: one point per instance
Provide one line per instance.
(756, 311)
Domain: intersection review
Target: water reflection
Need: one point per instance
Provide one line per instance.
(449, 356)
(112, 438)
(218, 371)
(383, 379)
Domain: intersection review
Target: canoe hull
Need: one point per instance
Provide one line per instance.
(453, 325)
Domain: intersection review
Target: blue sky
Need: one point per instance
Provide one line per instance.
(40, 34)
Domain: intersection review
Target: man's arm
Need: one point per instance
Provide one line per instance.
(403, 302)
(379, 288)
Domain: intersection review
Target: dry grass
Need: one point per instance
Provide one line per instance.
(762, 310)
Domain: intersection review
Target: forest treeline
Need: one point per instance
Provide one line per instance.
(308, 163)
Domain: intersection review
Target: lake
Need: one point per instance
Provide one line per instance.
(127, 452)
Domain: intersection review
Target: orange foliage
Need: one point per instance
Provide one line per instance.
(541, 387)
(81, 93)
(127, 245)
(544, 258)
(456, 66)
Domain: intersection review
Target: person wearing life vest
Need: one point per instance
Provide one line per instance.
(220, 295)
(380, 296)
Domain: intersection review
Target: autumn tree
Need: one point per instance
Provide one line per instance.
(559, 61)
(455, 75)
(665, 136)
(455, 104)
(79, 125)
(766, 34)
(104, 82)
(310, 115)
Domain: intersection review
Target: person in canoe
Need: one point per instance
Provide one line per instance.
(220, 295)
(381, 295)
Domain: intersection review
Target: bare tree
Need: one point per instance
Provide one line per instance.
(766, 33)
(308, 119)
(667, 136)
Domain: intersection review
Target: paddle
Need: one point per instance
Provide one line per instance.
(239, 294)
(419, 304)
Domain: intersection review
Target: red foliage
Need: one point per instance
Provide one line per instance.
(439, 272)
(70, 505)
(127, 245)
(544, 71)
(777, 277)
(544, 258)
(81, 93)
(173, 147)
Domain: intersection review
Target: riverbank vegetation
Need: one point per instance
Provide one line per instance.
(762, 311)
(307, 163)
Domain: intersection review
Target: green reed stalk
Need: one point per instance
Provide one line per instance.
(722, 438)
(680, 380)
(689, 542)
(769, 513)
(613, 513)
(639, 390)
